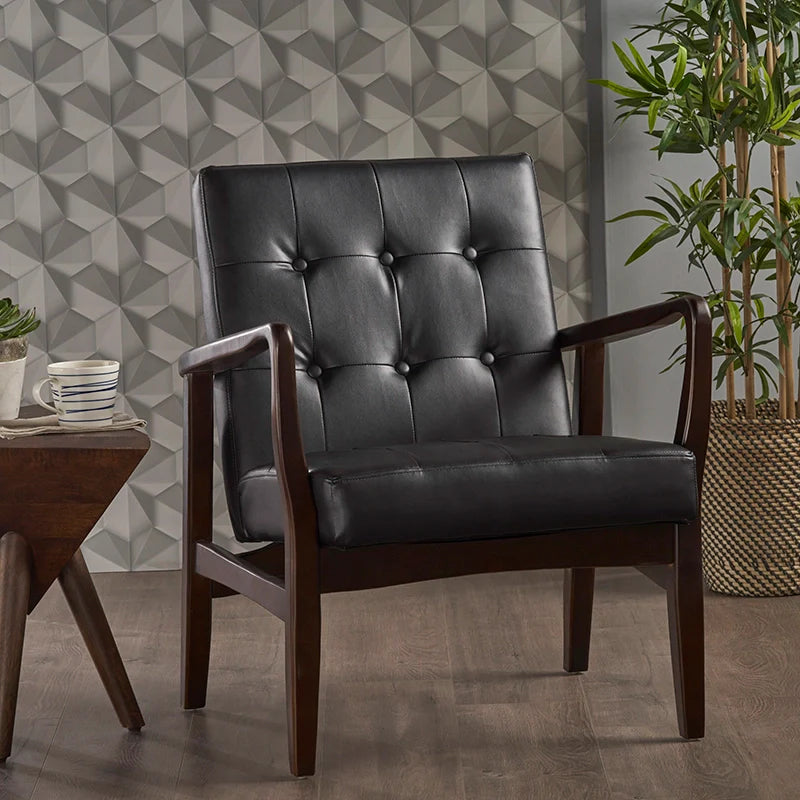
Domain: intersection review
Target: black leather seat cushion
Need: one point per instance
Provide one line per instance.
(481, 489)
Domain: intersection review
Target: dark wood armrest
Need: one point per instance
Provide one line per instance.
(229, 352)
(695, 404)
(199, 366)
(690, 308)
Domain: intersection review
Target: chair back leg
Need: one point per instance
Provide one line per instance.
(578, 600)
(685, 609)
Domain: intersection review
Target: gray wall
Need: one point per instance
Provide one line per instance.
(108, 109)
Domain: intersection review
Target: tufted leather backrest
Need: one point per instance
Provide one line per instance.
(418, 293)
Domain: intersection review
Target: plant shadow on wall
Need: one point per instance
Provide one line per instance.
(720, 78)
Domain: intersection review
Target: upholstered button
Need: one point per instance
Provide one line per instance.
(470, 253)
(402, 367)
(386, 258)
(315, 370)
(487, 358)
(299, 265)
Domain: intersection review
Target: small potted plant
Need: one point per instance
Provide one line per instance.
(14, 329)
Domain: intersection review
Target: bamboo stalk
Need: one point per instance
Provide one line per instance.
(730, 388)
(780, 281)
(782, 270)
(791, 404)
(743, 187)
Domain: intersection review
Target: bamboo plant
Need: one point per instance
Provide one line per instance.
(720, 78)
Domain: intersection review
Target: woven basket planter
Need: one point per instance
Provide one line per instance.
(751, 503)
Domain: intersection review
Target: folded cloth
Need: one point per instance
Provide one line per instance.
(35, 426)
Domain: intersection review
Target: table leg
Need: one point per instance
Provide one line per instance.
(15, 586)
(85, 605)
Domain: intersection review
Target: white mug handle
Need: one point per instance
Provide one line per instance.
(37, 395)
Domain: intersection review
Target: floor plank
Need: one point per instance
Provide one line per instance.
(543, 749)
(395, 739)
(394, 633)
(504, 638)
(447, 689)
(52, 654)
(237, 744)
(91, 754)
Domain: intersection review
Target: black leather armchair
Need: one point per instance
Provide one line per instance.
(392, 407)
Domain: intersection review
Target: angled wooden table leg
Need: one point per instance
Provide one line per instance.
(15, 585)
(54, 490)
(85, 605)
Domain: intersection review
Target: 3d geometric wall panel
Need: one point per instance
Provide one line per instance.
(107, 109)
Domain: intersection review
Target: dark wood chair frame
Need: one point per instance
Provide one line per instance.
(288, 578)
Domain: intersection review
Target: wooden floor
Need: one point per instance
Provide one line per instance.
(448, 689)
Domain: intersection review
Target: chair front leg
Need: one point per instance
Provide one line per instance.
(685, 610)
(198, 453)
(303, 630)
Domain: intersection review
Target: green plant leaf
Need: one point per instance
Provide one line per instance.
(640, 63)
(766, 380)
(674, 212)
(660, 234)
(674, 362)
(736, 320)
(626, 91)
(723, 368)
(641, 212)
(770, 357)
(705, 129)
(685, 83)
(667, 136)
(783, 118)
(778, 141)
(627, 64)
(680, 67)
(713, 243)
(652, 114)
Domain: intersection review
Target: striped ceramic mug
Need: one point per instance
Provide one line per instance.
(84, 392)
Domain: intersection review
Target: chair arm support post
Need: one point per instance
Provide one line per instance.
(694, 414)
(694, 410)
(302, 627)
(590, 378)
(290, 459)
(198, 464)
(198, 459)
(200, 364)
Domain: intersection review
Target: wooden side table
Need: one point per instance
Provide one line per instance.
(53, 489)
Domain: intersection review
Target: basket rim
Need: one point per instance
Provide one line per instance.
(722, 420)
